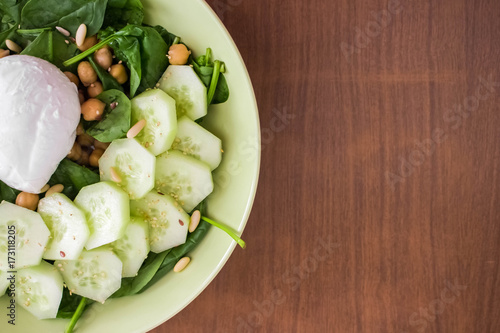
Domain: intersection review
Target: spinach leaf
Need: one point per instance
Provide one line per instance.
(153, 58)
(178, 252)
(10, 16)
(108, 82)
(128, 50)
(131, 286)
(168, 37)
(7, 193)
(51, 46)
(212, 77)
(143, 50)
(68, 14)
(119, 13)
(69, 304)
(116, 121)
(73, 176)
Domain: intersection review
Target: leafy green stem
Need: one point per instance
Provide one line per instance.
(51, 46)
(214, 81)
(90, 51)
(176, 40)
(228, 231)
(32, 31)
(78, 313)
(208, 55)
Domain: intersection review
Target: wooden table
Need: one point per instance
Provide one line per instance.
(378, 202)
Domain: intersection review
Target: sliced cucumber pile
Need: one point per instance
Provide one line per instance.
(185, 178)
(106, 207)
(96, 274)
(25, 229)
(133, 247)
(168, 222)
(134, 164)
(158, 109)
(193, 140)
(39, 290)
(184, 85)
(68, 227)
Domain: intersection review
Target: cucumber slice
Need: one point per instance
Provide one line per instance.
(39, 290)
(133, 247)
(96, 274)
(194, 140)
(133, 163)
(185, 178)
(158, 109)
(4, 283)
(184, 85)
(31, 236)
(68, 227)
(107, 209)
(168, 223)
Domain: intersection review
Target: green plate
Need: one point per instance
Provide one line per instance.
(237, 123)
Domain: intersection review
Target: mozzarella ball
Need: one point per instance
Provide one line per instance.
(39, 113)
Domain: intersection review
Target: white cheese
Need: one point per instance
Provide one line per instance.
(39, 113)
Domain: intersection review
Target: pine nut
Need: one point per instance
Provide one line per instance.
(195, 220)
(115, 176)
(181, 264)
(4, 53)
(54, 189)
(134, 130)
(81, 33)
(63, 31)
(45, 188)
(13, 46)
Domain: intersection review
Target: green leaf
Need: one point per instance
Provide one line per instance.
(69, 304)
(7, 193)
(108, 82)
(178, 252)
(153, 58)
(167, 36)
(119, 13)
(51, 46)
(115, 122)
(73, 176)
(68, 14)
(128, 50)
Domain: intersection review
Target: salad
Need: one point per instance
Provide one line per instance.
(104, 161)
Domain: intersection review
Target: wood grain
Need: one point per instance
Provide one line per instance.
(378, 204)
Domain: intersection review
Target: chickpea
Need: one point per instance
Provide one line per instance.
(103, 57)
(95, 89)
(119, 73)
(86, 73)
(101, 145)
(4, 53)
(27, 200)
(84, 159)
(178, 54)
(73, 78)
(75, 153)
(85, 140)
(88, 43)
(95, 156)
(92, 109)
(79, 129)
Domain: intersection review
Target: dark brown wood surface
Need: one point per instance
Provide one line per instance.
(378, 203)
